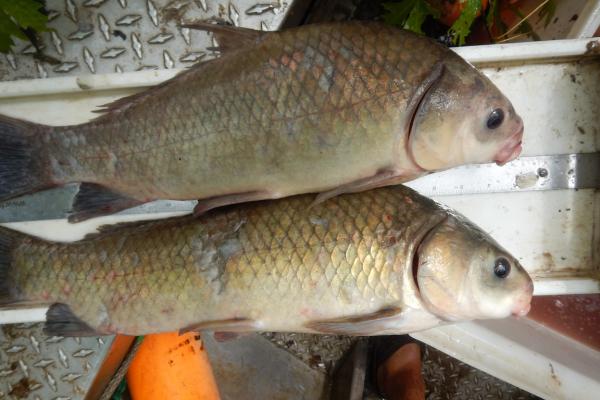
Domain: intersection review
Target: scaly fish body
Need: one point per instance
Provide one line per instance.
(309, 109)
(350, 265)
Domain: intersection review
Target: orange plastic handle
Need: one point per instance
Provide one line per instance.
(171, 366)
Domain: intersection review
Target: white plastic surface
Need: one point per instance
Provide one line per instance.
(524, 354)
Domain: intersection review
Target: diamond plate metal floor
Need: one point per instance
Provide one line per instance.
(36, 366)
(100, 36)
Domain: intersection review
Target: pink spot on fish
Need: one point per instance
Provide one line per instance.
(66, 289)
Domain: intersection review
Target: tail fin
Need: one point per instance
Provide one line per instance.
(9, 294)
(21, 168)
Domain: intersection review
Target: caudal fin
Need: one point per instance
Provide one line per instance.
(21, 164)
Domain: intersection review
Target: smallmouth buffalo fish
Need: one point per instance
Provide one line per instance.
(384, 261)
(329, 109)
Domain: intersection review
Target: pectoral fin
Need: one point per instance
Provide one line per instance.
(222, 337)
(204, 205)
(228, 325)
(384, 177)
(95, 200)
(60, 321)
(361, 325)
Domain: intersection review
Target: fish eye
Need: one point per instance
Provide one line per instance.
(495, 118)
(501, 267)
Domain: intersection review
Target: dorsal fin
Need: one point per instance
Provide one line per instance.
(124, 103)
(228, 37)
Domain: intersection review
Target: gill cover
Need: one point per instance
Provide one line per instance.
(463, 119)
(459, 278)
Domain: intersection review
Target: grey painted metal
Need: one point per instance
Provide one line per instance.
(251, 367)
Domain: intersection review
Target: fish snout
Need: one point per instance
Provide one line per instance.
(512, 147)
(523, 303)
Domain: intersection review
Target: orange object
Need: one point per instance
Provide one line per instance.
(171, 366)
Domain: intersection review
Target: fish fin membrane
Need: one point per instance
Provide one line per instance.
(94, 200)
(360, 325)
(21, 170)
(228, 37)
(229, 325)
(137, 226)
(60, 321)
(384, 177)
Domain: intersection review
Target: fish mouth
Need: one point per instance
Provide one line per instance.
(521, 311)
(523, 304)
(511, 150)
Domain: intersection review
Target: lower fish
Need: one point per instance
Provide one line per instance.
(385, 261)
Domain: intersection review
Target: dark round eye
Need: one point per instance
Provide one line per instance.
(501, 267)
(495, 118)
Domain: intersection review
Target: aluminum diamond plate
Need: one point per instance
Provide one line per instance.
(36, 366)
(100, 36)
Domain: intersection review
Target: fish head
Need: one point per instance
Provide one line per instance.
(463, 274)
(463, 118)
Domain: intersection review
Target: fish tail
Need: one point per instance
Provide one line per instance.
(22, 168)
(10, 293)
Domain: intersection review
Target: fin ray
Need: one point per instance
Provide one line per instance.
(229, 325)
(360, 325)
(21, 168)
(60, 321)
(228, 37)
(94, 200)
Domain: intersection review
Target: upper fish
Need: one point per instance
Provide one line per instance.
(329, 108)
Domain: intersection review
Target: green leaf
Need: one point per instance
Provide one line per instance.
(547, 12)
(409, 14)
(18, 14)
(397, 13)
(26, 13)
(461, 28)
(417, 16)
(7, 29)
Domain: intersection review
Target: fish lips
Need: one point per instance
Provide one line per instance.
(523, 303)
(511, 149)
